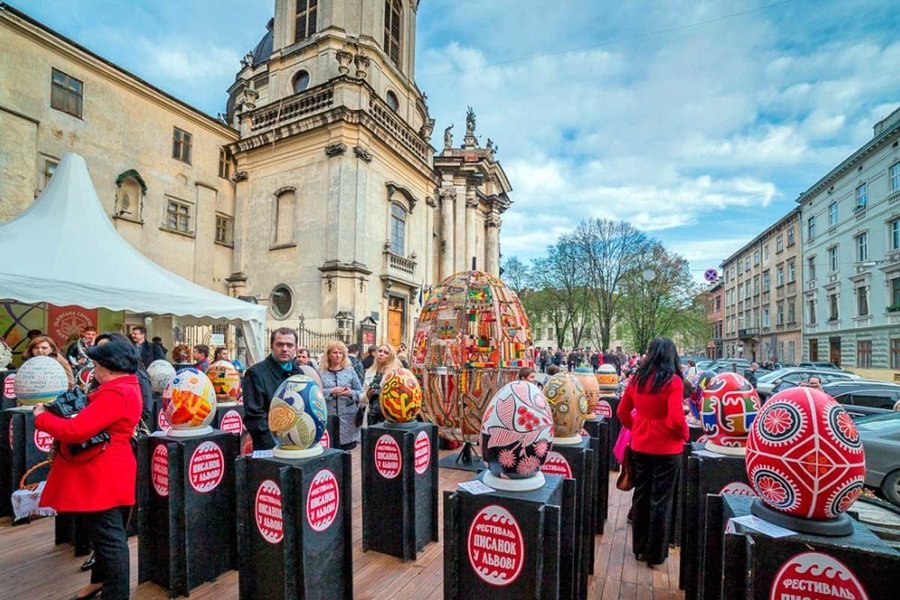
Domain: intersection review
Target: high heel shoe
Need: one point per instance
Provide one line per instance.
(89, 563)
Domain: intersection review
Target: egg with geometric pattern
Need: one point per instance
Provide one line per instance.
(226, 381)
(297, 417)
(401, 396)
(729, 407)
(189, 403)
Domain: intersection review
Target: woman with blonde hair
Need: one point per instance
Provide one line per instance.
(342, 388)
(385, 362)
(45, 346)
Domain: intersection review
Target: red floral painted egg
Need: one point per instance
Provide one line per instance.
(730, 405)
(804, 455)
(401, 396)
(516, 431)
(226, 381)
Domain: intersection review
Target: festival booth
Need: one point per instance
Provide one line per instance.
(471, 339)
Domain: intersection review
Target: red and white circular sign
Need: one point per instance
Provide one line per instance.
(604, 409)
(387, 457)
(326, 439)
(232, 423)
(206, 467)
(422, 453)
(738, 489)
(816, 576)
(43, 440)
(496, 546)
(556, 464)
(9, 387)
(267, 509)
(323, 500)
(159, 470)
(162, 421)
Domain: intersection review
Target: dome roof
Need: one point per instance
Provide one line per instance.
(263, 49)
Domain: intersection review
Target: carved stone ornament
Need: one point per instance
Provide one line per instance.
(362, 64)
(362, 153)
(448, 138)
(470, 121)
(492, 220)
(239, 176)
(448, 194)
(335, 149)
(344, 59)
(426, 129)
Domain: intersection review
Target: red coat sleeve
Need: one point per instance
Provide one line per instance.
(626, 405)
(104, 409)
(675, 408)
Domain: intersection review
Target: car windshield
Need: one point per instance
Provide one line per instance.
(771, 376)
(876, 423)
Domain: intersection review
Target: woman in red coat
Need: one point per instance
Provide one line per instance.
(658, 433)
(101, 480)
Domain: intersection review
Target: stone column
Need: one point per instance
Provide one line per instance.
(448, 199)
(471, 216)
(240, 232)
(427, 260)
(492, 244)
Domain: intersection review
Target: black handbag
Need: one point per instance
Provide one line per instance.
(68, 405)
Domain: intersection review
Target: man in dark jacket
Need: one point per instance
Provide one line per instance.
(750, 374)
(149, 352)
(262, 380)
(353, 355)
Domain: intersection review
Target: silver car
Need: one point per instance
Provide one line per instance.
(880, 435)
(767, 383)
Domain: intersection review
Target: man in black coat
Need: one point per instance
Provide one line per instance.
(262, 380)
(148, 351)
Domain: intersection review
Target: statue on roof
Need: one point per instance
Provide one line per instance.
(448, 138)
(470, 122)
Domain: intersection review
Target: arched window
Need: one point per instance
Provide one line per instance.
(398, 230)
(393, 12)
(285, 207)
(130, 190)
(391, 99)
(301, 81)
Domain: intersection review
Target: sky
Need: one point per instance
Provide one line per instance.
(699, 122)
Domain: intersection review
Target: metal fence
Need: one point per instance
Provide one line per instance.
(315, 341)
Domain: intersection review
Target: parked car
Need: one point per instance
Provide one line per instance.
(880, 435)
(773, 382)
(862, 398)
(818, 365)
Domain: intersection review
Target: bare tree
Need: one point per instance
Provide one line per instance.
(561, 276)
(516, 275)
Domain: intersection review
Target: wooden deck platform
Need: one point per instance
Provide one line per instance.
(32, 567)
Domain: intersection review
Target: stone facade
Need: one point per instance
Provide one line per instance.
(851, 259)
(762, 285)
(714, 298)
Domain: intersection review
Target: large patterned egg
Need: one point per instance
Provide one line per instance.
(591, 387)
(804, 455)
(298, 413)
(607, 378)
(730, 405)
(40, 380)
(188, 400)
(516, 431)
(569, 405)
(401, 396)
(161, 373)
(226, 381)
(700, 381)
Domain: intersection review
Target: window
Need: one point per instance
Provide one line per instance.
(224, 228)
(779, 244)
(862, 247)
(393, 9)
(862, 301)
(895, 234)
(224, 164)
(833, 259)
(895, 291)
(812, 312)
(895, 177)
(790, 237)
(864, 354)
(813, 349)
(792, 352)
(756, 285)
(305, 19)
(281, 301)
(779, 277)
(765, 281)
(285, 203)
(780, 314)
(66, 93)
(883, 399)
(391, 99)
(862, 196)
(832, 307)
(398, 229)
(895, 353)
(791, 272)
(811, 267)
(178, 216)
(129, 196)
(181, 145)
(49, 169)
(765, 319)
(811, 228)
(756, 258)
(718, 303)
(765, 253)
(832, 214)
(746, 263)
(301, 81)
(791, 313)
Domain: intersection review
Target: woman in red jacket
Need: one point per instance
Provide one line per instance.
(658, 433)
(101, 480)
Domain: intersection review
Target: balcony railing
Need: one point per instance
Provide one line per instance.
(748, 333)
(300, 105)
(400, 265)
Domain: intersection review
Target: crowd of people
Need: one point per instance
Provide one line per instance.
(546, 358)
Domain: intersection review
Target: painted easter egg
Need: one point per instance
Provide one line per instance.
(298, 413)
(730, 405)
(188, 400)
(569, 405)
(401, 396)
(40, 380)
(517, 431)
(226, 381)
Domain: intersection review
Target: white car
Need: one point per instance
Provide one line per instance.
(766, 384)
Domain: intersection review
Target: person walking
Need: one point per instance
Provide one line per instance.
(342, 388)
(262, 380)
(659, 431)
(385, 362)
(43, 345)
(99, 482)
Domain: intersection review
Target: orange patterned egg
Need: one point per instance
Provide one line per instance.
(189, 401)
(401, 396)
(607, 377)
(226, 381)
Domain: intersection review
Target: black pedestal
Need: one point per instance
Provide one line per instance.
(159, 419)
(400, 485)
(614, 426)
(577, 462)
(187, 511)
(229, 418)
(294, 527)
(29, 448)
(508, 544)
(332, 436)
(754, 565)
(707, 473)
(598, 429)
(7, 400)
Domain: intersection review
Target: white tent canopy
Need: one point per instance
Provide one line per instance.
(65, 250)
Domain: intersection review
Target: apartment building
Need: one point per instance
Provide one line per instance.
(715, 316)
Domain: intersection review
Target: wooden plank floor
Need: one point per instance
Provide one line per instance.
(32, 567)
